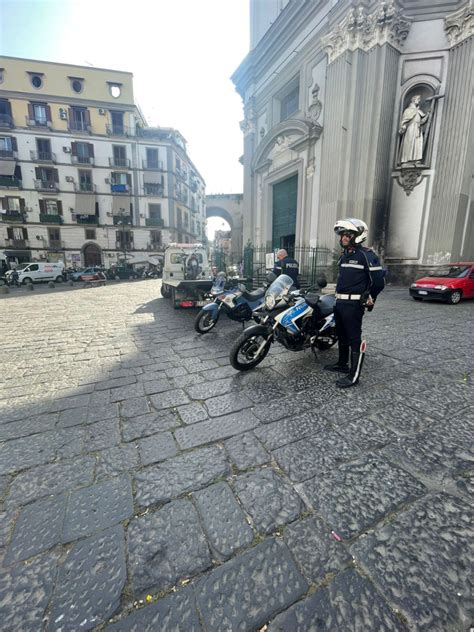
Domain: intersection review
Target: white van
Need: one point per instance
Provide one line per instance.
(36, 272)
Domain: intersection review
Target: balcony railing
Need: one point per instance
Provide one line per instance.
(43, 156)
(84, 187)
(181, 173)
(154, 221)
(37, 122)
(56, 244)
(118, 130)
(79, 126)
(82, 160)
(119, 188)
(13, 216)
(50, 218)
(119, 162)
(46, 185)
(18, 243)
(122, 220)
(124, 245)
(87, 219)
(153, 165)
(7, 182)
(8, 154)
(153, 189)
(6, 120)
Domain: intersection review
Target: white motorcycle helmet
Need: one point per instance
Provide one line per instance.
(352, 225)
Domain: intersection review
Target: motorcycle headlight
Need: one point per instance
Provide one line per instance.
(269, 302)
(441, 287)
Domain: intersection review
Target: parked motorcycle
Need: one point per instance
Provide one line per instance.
(308, 323)
(237, 302)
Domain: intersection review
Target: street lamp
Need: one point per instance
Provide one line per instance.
(122, 223)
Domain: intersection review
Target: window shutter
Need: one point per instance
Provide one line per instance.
(38, 173)
(48, 113)
(22, 205)
(31, 112)
(131, 208)
(87, 117)
(3, 203)
(70, 115)
(17, 173)
(59, 204)
(129, 180)
(117, 235)
(55, 175)
(42, 206)
(91, 150)
(97, 209)
(14, 144)
(9, 233)
(25, 233)
(74, 149)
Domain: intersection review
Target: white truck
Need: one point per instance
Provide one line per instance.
(186, 275)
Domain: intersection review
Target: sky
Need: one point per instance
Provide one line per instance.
(181, 52)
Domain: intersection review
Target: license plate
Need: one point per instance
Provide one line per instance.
(422, 292)
(200, 303)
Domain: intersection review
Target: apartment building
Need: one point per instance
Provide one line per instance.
(83, 179)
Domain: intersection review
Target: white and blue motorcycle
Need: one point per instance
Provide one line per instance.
(307, 323)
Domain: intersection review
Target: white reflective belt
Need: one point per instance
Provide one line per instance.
(359, 266)
(375, 268)
(349, 297)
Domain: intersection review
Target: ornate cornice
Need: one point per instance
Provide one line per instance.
(460, 24)
(362, 30)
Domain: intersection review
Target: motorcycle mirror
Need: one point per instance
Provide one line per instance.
(321, 282)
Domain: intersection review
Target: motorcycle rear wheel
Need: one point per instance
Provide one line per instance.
(204, 322)
(242, 353)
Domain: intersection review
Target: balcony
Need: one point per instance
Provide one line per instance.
(7, 182)
(124, 245)
(46, 185)
(154, 245)
(56, 244)
(155, 190)
(122, 220)
(82, 160)
(153, 165)
(8, 154)
(119, 162)
(18, 243)
(154, 221)
(79, 126)
(6, 121)
(118, 130)
(182, 174)
(182, 196)
(120, 188)
(13, 216)
(50, 218)
(87, 219)
(37, 122)
(43, 156)
(84, 187)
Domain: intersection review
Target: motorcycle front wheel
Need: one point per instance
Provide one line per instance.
(204, 322)
(247, 351)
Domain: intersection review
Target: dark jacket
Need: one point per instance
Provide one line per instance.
(288, 266)
(360, 271)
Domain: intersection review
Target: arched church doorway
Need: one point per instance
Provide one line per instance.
(92, 255)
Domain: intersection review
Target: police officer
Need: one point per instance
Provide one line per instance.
(287, 265)
(359, 281)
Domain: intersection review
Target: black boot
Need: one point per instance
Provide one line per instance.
(341, 366)
(357, 360)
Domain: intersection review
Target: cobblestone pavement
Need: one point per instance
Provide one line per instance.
(145, 485)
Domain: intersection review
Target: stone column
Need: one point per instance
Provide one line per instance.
(248, 127)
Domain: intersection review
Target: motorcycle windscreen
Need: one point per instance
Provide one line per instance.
(279, 287)
(219, 284)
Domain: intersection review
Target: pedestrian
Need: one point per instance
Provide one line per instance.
(360, 280)
(287, 265)
(14, 278)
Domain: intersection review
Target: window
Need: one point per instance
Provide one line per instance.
(186, 219)
(120, 155)
(85, 180)
(153, 189)
(124, 239)
(36, 81)
(82, 152)
(79, 119)
(6, 119)
(77, 85)
(152, 158)
(119, 178)
(51, 207)
(179, 217)
(154, 211)
(13, 204)
(90, 233)
(5, 143)
(43, 146)
(117, 122)
(289, 101)
(54, 235)
(115, 89)
(155, 237)
(46, 175)
(40, 114)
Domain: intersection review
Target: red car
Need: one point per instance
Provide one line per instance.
(450, 284)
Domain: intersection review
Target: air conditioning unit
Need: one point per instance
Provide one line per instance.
(62, 114)
(67, 150)
(107, 180)
(102, 111)
(69, 179)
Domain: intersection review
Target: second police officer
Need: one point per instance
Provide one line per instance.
(287, 265)
(360, 280)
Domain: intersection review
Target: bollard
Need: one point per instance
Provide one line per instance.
(30, 287)
(131, 278)
(71, 283)
(51, 284)
(117, 278)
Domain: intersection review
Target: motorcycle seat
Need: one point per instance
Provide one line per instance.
(312, 300)
(252, 296)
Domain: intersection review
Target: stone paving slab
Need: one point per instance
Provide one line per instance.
(146, 425)
(350, 603)
(422, 562)
(166, 546)
(156, 448)
(246, 451)
(212, 430)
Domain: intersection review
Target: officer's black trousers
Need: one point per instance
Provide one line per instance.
(348, 316)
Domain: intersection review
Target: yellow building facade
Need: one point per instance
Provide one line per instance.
(83, 179)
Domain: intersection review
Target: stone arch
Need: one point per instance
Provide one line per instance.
(91, 254)
(230, 208)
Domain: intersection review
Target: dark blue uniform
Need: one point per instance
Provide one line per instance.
(288, 266)
(360, 275)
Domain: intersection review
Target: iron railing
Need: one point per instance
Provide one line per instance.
(79, 126)
(119, 162)
(153, 165)
(46, 185)
(82, 160)
(43, 156)
(84, 187)
(7, 153)
(6, 120)
(50, 218)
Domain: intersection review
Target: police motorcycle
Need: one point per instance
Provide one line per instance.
(237, 303)
(297, 321)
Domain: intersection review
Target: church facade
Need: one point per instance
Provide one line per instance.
(363, 109)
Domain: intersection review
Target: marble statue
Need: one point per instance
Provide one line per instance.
(413, 118)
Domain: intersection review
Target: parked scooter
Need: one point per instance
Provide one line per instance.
(308, 323)
(237, 302)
